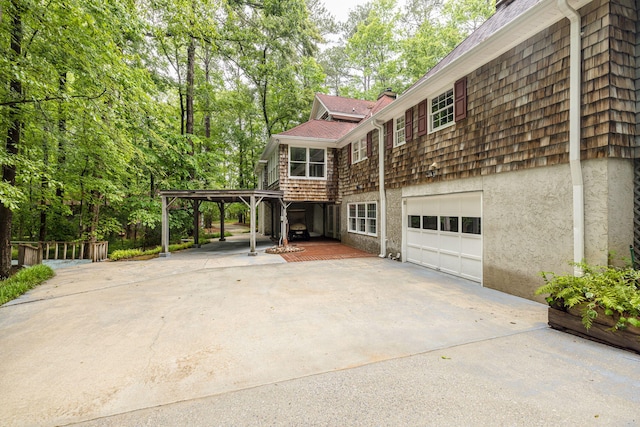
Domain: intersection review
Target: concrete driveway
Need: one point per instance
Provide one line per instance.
(220, 338)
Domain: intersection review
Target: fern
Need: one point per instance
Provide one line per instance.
(615, 291)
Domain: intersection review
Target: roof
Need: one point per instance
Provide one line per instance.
(498, 20)
(338, 105)
(321, 129)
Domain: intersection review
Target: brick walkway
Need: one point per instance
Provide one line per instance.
(319, 250)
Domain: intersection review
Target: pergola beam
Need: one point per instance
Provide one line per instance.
(254, 197)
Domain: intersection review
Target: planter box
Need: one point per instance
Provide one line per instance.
(628, 339)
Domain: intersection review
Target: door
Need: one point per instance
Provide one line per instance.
(445, 233)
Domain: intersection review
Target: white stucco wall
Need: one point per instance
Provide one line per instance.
(608, 209)
(528, 219)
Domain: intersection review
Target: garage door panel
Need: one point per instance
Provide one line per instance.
(430, 258)
(449, 242)
(471, 245)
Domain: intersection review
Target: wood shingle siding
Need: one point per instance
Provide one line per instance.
(359, 177)
(517, 108)
(301, 189)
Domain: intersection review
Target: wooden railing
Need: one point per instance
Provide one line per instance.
(31, 253)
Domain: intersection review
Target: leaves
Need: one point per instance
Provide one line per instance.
(613, 291)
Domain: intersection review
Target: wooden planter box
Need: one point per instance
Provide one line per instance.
(571, 321)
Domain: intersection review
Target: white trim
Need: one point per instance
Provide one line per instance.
(366, 218)
(362, 148)
(306, 165)
(431, 126)
(403, 140)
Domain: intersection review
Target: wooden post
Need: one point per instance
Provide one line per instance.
(221, 206)
(252, 224)
(196, 223)
(165, 229)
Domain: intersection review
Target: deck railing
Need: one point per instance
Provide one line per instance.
(31, 253)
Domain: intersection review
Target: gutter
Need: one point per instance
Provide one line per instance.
(575, 82)
(383, 197)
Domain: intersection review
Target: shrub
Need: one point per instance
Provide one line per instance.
(23, 280)
(132, 253)
(610, 290)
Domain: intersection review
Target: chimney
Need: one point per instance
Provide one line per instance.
(501, 4)
(387, 92)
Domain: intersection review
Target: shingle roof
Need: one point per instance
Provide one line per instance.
(498, 20)
(339, 104)
(321, 129)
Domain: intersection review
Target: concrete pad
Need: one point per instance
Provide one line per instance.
(110, 339)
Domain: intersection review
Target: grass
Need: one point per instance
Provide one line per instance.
(23, 280)
(133, 253)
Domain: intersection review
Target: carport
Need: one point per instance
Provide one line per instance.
(251, 198)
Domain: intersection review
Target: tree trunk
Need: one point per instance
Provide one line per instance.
(191, 58)
(13, 141)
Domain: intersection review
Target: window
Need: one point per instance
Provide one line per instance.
(307, 162)
(362, 218)
(399, 133)
(273, 168)
(359, 150)
(430, 222)
(449, 223)
(442, 110)
(471, 225)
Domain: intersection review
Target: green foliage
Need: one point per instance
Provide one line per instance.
(132, 253)
(610, 290)
(23, 280)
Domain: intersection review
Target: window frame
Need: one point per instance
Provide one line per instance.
(362, 222)
(398, 129)
(449, 99)
(359, 150)
(273, 168)
(308, 163)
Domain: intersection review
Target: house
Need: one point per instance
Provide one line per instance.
(514, 155)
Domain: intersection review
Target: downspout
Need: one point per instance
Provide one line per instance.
(383, 197)
(575, 82)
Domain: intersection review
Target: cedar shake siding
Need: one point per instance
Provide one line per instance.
(361, 177)
(308, 190)
(518, 109)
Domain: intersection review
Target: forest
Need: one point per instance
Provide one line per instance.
(105, 102)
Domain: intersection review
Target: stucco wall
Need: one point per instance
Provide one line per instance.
(366, 243)
(608, 197)
(527, 228)
(394, 227)
(527, 219)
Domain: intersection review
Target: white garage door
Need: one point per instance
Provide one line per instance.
(445, 233)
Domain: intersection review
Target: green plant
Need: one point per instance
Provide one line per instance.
(23, 280)
(131, 253)
(612, 291)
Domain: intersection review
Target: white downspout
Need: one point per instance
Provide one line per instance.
(575, 82)
(383, 197)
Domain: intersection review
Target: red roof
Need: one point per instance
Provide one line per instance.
(340, 105)
(322, 129)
